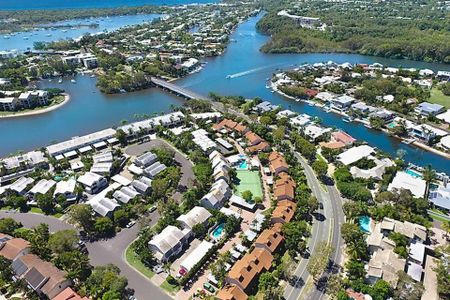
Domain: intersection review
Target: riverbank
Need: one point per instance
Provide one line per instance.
(416, 143)
(38, 111)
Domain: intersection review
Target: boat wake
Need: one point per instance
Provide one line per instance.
(244, 73)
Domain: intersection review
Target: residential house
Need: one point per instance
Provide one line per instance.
(252, 138)
(354, 154)
(343, 102)
(284, 212)
(231, 292)
(21, 185)
(142, 185)
(277, 163)
(169, 242)
(197, 215)
(9, 104)
(261, 147)
(403, 180)
(69, 294)
(284, 188)
(67, 189)
(270, 239)
(154, 169)
(440, 197)
(12, 248)
(92, 182)
(429, 109)
(145, 159)
(343, 137)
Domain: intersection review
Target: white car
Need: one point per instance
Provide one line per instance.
(131, 224)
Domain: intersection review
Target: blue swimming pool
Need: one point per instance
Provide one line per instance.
(413, 173)
(364, 223)
(243, 165)
(218, 231)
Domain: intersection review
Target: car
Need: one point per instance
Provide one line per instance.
(182, 272)
(158, 269)
(152, 208)
(209, 287)
(131, 224)
(132, 298)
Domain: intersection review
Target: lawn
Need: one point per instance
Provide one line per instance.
(438, 97)
(172, 289)
(134, 261)
(249, 181)
(37, 210)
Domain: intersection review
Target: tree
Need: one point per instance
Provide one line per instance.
(319, 260)
(247, 195)
(313, 204)
(104, 279)
(81, 214)
(63, 241)
(9, 225)
(355, 270)
(334, 285)
(199, 230)
(104, 226)
(45, 202)
(39, 242)
(75, 263)
(121, 217)
(294, 234)
(443, 277)
(381, 290)
(267, 281)
(320, 167)
(446, 227)
(407, 288)
(429, 175)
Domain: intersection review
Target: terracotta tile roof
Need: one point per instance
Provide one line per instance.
(12, 247)
(55, 276)
(277, 163)
(229, 124)
(270, 239)
(332, 145)
(253, 138)
(343, 137)
(284, 212)
(231, 292)
(69, 294)
(355, 295)
(311, 93)
(250, 266)
(263, 146)
(284, 188)
(240, 128)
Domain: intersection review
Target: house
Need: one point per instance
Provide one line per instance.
(169, 242)
(443, 75)
(27, 161)
(220, 191)
(42, 187)
(13, 248)
(145, 159)
(42, 276)
(245, 272)
(300, 120)
(225, 124)
(385, 264)
(92, 183)
(284, 188)
(252, 138)
(231, 292)
(440, 197)
(383, 114)
(270, 239)
(354, 154)
(265, 106)
(429, 109)
(125, 194)
(261, 147)
(403, 180)
(67, 189)
(426, 132)
(343, 102)
(202, 140)
(69, 294)
(343, 137)
(21, 185)
(154, 169)
(197, 215)
(375, 172)
(314, 132)
(103, 206)
(277, 163)
(284, 212)
(196, 256)
(142, 185)
(9, 104)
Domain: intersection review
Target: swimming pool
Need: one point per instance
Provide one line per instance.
(218, 232)
(413, 173)
(243, 165)
(391, 125)
(364, 223)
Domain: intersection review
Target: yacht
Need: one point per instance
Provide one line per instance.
(92, 76)
(348, 119)
(60, 80)
(73, 81)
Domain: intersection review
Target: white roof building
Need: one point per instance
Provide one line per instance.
(154, 169)
(196, 255)
(314, 131)
(197, 215)
(403, 180)
(146, 159)
(354, 154)
(65, 187)
(300, 120)
(42, 187)
(21, 184)
(165, 243)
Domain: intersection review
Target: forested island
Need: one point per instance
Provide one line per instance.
(393, 29)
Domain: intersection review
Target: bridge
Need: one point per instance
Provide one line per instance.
(173, 88)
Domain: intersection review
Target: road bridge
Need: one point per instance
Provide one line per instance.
(180, 91)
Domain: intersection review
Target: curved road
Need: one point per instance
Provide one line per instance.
(322, 230)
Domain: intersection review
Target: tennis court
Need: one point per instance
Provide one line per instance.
(249, 181)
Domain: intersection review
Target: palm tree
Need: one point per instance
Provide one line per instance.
(429, 175)
(446, 227)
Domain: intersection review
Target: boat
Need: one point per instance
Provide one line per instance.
(327, 109)
(48, 35)
(6, 37)
(348, 119)
(368, 126)
(60, 80)
(408, 141)
(73, 81)
(64, 30)
(228, 77)
(25, 38)
(92, 76)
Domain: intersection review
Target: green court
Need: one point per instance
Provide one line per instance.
(249, 181)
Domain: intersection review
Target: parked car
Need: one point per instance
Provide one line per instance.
(158, 269)
(182, 272)
(131, 224)
(209, 287)
(152, 208)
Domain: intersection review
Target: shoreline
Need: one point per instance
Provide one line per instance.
(415, 143)
(39, 111)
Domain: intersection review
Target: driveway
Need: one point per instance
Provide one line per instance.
(187, 174)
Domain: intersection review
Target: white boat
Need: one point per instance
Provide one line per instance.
(6, 37)
(92, 76)
(48, 35)
(228, 77)
(73, 81)
(64, 30)
(60, 80)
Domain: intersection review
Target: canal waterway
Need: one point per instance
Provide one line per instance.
(89, 110)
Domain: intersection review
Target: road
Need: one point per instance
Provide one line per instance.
(322, 230)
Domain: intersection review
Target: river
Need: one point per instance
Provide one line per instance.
(70, 4)
(89, 110)
(75, 28)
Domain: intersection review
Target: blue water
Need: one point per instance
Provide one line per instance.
(64, 4)
(26, 40)
(243, 165)
(218, 231)
(89, 110)
(364, 223)
(413, 173)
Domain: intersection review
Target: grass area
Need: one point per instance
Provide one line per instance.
(249, 181)
(37, 210)
(5, 208)
(438, 97)
(52, 102)
(438, 218)
(134, 261)
(169, 287)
